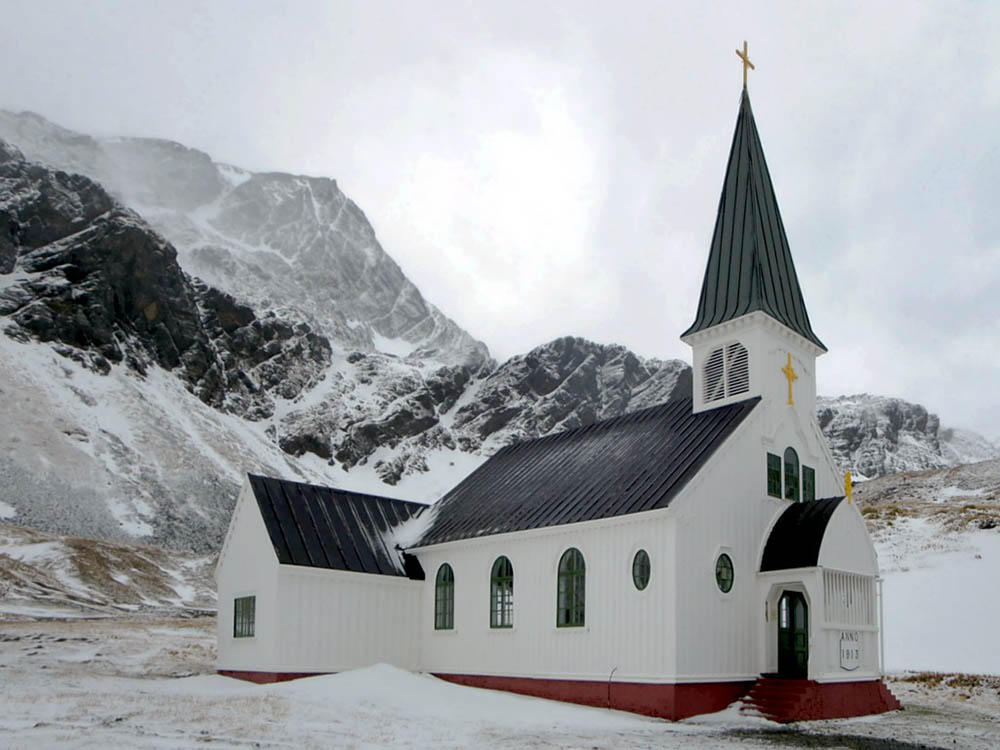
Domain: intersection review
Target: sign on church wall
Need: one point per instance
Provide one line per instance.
(850, 650)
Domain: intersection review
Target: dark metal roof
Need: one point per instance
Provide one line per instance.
(631, 463)
(796, 537)
(323, 527)
(749, 264)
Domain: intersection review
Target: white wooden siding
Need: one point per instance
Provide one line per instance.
(332, 620)
(627, 631)
(247, 567)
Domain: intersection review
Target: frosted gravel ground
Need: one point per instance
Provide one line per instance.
(135, 682)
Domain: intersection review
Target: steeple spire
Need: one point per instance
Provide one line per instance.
(749, 264)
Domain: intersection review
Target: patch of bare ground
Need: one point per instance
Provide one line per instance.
(957, 499)
(123, 646)
(77, 576)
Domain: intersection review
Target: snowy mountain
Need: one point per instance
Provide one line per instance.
(138, 395)
(275, 241)
(876, 435)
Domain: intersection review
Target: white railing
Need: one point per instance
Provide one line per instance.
(849, 599)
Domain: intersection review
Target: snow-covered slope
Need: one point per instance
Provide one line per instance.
(937, 533)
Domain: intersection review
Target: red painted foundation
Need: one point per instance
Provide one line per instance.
(807, 700)
(666, 701)
(266, 678)
(778, 699)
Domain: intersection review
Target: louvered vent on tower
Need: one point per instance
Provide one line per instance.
(737, 369)
(726, 372)
(714, 377)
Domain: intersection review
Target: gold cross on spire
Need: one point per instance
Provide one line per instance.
(746, 62)
(792, 377)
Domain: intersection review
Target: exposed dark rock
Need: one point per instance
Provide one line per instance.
(104, 288)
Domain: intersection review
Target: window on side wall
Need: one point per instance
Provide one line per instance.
(773, 475)
(444, 598)
(791, 475)
(502, 594)
(808, 484)
(244, 616)
(571, 591)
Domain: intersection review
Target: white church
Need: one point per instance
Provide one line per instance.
(667, 562)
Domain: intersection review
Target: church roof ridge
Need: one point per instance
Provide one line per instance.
(627, 464)
(750, 264)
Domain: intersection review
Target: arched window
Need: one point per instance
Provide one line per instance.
(444, 598)
(571, 594)
(791, 474)
(502, 594)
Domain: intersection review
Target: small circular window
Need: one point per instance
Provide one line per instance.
(724, 573)
(640, 569)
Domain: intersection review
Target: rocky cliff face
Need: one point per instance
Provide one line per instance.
(566, 383)
(292, 244)
(90, 277)
(877, 435)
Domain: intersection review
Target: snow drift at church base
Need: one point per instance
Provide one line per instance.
(143, 683)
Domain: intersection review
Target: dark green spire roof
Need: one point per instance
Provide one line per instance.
(749, 265)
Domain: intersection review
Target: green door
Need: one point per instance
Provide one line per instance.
(793, 635)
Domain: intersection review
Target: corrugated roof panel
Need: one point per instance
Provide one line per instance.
(289, 524)
(628, 464)
(323, 527)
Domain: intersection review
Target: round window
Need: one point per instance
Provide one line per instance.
(640, 569)
(724, 573)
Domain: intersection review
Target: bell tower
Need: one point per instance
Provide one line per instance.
(751, 335)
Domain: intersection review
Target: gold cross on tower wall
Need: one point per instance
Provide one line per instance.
(744, 56)
(792, 377)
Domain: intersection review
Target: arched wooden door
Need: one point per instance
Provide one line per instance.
(793, 635)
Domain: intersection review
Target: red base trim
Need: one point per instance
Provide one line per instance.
(808, 700)
(673, 702)
(778, 699)
(266, 678)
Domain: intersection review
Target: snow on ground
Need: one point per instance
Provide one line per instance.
(396, 347)
(941, 603)
(147, 682)
(6, 511)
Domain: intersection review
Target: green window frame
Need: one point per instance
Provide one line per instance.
(774, 475)
(808, 484)
(724, 573)
(444, 598)
(640, 569)
(791, 475)
(244, 616)
(502, 594)
(572, 590)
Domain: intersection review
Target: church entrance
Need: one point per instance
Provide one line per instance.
(793, 635)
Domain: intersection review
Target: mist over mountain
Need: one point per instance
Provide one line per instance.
(274, 241)
(171, 323)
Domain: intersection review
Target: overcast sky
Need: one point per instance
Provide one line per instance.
(547, 169)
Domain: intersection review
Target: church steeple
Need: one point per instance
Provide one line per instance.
(749, 264)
